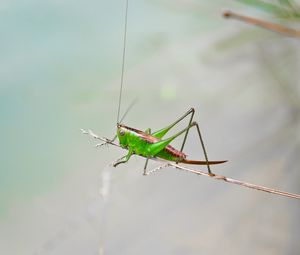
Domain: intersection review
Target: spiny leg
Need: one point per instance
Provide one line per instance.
(160, 145)
(200, 137)
(157, 168)
(203, 148)
(192, 111)
(108, 141)
(160, 133)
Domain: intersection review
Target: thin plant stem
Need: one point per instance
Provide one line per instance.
(203, 173)
(264, 24)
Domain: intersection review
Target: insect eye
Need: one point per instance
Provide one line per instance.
(122, 132)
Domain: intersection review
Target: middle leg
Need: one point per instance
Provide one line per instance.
(148, 131)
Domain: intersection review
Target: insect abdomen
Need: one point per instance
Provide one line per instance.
(170, 153)
(174, 152)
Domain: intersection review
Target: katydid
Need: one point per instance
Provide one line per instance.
(153, 145)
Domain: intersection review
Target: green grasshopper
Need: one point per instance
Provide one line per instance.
(153, 146)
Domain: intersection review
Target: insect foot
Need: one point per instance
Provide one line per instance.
(116, 163)
(102, 144)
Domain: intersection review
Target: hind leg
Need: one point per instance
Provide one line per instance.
(200, 137)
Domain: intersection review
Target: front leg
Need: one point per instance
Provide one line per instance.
(127, 157)
(103, 139)
(108, 141)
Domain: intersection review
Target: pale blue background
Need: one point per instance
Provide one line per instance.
(60, 71)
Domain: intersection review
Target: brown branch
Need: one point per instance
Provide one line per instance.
(237, 182)
(264, 24)
(199, 172)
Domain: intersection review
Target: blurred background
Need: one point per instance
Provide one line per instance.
(60, 72)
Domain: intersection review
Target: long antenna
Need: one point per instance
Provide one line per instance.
(124, 115)
(123, 61)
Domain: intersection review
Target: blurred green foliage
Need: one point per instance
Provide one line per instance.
(285, 9)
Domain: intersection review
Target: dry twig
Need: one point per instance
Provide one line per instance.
(199, 172)
(264, 24)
